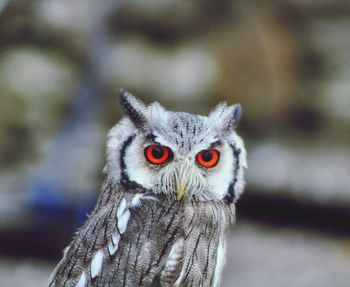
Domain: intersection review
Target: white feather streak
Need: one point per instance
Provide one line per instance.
(136, 201)
(138, 198)
(220, 261)
(96, 264)
(115, 238)
(82, 281)
(112, 249)
(123, 221)
(121, 208)
(176, 254)
(113, 243)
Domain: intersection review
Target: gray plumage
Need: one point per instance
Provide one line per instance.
(160, 221)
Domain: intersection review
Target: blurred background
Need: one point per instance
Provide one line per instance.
(287, 62)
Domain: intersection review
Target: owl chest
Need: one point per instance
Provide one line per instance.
(204, 246)
(154, 233)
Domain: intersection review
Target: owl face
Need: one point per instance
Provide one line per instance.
(180, 155)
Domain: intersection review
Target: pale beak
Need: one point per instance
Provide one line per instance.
(180, 189)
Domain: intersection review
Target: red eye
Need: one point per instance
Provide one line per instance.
(158, 154)
(208, 157)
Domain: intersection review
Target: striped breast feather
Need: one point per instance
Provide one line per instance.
(170, 276)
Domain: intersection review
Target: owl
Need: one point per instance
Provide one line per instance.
(172, 180)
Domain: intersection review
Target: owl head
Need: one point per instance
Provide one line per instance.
(177, 154)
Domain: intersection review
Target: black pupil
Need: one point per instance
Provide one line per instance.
(207, 155)
(157, 152)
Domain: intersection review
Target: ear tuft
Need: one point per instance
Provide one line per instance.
(226, 118)
(237, 114)
(134, 109)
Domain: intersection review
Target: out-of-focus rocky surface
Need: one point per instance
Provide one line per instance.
(260, 256)
(286, 62)
(28, 273)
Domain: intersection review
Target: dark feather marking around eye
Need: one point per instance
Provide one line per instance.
(125, 181)
(230, 197)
